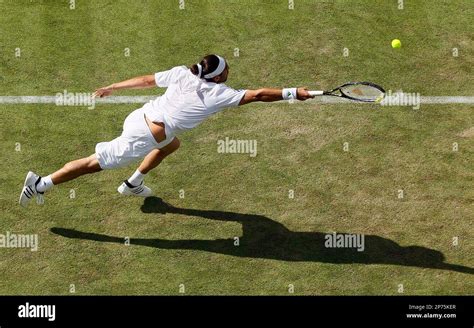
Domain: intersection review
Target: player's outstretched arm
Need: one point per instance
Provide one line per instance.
(269, 95)
(140, 82)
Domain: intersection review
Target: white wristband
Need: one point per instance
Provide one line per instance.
(289, 93)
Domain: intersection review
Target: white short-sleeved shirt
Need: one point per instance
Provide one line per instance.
(188, 100)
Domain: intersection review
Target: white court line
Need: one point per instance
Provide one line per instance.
(143, 99)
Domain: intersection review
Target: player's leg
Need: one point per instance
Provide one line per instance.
(134, 185)
(36, 185)
(75, 169)
(154, 158)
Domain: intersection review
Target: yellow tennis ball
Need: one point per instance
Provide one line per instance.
(396, 44)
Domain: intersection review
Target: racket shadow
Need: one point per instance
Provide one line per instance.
(265, 238)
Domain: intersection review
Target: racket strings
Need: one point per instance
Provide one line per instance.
(362, 92)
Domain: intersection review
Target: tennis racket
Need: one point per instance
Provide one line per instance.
(358, 91)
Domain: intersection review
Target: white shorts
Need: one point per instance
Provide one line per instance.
(135, 143)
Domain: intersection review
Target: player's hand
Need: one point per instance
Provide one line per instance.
(103, 92)
(303, 94)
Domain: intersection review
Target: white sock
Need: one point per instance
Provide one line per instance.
(136, 179)
(45, 184)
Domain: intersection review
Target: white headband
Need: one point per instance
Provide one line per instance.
(220, 68)
(199, 69)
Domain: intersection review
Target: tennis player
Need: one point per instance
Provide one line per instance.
(150, 133)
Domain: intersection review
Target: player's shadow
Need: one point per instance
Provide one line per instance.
(267, 239)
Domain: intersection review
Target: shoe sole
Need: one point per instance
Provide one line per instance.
(28, 176)
(121, 189)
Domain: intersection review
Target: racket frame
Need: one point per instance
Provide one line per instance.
(343, 95)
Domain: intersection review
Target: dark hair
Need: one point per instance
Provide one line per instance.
(209, 64)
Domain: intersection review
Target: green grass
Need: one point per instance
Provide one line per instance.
(300, 148)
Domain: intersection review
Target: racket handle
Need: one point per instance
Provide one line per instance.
(316, 93)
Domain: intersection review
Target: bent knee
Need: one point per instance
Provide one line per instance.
(171, 147)
(174, 145)
(178, 143)
(93, 164)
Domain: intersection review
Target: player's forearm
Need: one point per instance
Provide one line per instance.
(139, 82)
(268, 95)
